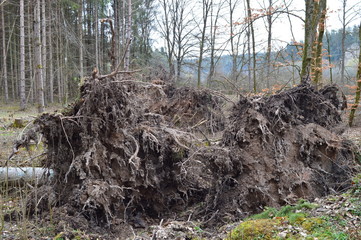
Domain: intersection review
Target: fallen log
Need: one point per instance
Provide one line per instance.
(25, 174)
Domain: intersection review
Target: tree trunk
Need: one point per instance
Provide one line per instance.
(80, 32)
(234, 53)
(314, 11)
(97, 37)
(38, 59)
(249, 11)
(343, 39)
(317, 69)
(269, 43)
(129, 36)
(51, 64)
(43, 49)
(12, 50)
(329, 56)
(358, 90)
(31, 55)
(213, 35)
(4, 57)
(22, 57)
(206, 8)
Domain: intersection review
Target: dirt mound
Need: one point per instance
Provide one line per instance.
(119, 156)
(190, 108)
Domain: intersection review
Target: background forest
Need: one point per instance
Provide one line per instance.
(48, 47)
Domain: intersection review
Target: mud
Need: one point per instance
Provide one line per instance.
(126, 154)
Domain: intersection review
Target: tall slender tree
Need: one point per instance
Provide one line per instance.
(44, 47)
(254, 59)
(206, 6)
(5, 69)
(358, 80)
(22, 57)
(80, 32)
(38, 57)
(128, 36)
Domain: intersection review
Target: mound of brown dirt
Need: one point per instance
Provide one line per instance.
(119, 157)
(191, 108)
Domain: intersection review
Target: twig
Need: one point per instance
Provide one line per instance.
(116, 71)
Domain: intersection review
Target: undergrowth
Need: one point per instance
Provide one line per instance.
(294, 222)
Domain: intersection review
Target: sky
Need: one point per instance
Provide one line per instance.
(333, 21)
(281, 29)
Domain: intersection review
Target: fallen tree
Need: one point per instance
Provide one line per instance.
(117, 157)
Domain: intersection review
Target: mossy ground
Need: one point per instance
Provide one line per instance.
(334, 218)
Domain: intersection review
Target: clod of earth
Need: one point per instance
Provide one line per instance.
(126, 152)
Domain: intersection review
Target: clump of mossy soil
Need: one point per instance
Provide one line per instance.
(289, 222)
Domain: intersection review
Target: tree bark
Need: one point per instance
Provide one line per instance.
(269, 43)
(317, 69)
(97, 36)
(329, 56)
(51, 63)
(234, 53)
(314, 11)
(129, 36)
(206, 8)
(22, 57)
(80, 32)
(4, 57)
(32, 89)
(38, 58)
(358, 90)
(43, 49)
(343, 39)
(249, 11)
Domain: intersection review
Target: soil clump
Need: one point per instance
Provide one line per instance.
(129, 152)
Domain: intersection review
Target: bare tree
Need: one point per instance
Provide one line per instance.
(206, 6)
(176, 27)
(249, 13)
(212, 40)
(348, 15)
(234, 47)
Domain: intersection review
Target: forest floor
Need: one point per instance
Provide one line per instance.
(335, 216)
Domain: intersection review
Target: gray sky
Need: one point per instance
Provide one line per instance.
(281, 29)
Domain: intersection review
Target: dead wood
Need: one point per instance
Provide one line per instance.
(126, 152)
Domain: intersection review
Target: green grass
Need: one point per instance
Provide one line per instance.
(291, 222)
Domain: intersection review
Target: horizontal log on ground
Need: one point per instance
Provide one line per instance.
(26, 174)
